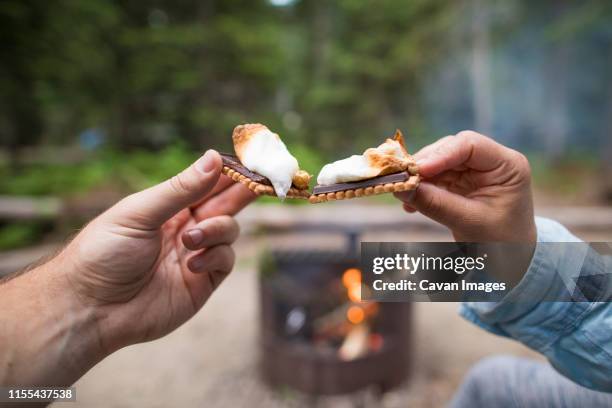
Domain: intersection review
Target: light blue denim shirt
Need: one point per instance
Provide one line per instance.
(576, 337)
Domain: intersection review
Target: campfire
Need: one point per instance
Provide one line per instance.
(318, 335)
(349, 328)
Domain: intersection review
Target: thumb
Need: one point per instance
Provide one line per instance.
(443, 206)
(150, 208)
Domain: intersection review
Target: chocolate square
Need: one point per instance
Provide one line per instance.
(231, 161)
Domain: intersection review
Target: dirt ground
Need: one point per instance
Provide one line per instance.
(212, 361)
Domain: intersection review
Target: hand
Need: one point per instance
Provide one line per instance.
(150, 262)
(476, 187)
(133, 274)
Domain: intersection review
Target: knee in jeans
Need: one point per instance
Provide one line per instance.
(492, 366)
(488, 381)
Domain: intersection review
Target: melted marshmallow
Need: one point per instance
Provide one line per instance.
(346, 170)
(267, 155)
(365, 166)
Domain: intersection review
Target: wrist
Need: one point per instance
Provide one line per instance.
(51, 336)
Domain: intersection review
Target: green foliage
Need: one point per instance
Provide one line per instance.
(52, 179)
(141, 169)
(568, 178)
(364, 61)
(266, 265)
(196, 69)
(310, 160)
(119, 171)
(125, 66)
(153, 73)
(20, 234)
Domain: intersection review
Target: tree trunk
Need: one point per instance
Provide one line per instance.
(480, 70)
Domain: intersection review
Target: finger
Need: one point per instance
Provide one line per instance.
(406, 198)
(427, 150)
(448, 176)
(468, 149)
(227, 202)
(216, 259)
(150, 208)
(202, 285)
(207, 270)
(445, 207)
(223, 183)
(210, 232)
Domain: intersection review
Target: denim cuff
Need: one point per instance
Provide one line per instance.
(551, 269)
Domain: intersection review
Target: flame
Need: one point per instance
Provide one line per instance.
(355, 314)
(351, 279)
(354, 293)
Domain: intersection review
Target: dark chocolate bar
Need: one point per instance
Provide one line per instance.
(389, 178)
(231, 161)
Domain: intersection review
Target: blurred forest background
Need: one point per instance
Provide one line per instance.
(105, 97)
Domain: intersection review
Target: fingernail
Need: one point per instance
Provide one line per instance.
(206, 163)
(196, 236)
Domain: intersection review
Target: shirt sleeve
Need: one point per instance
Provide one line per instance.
(574, 334)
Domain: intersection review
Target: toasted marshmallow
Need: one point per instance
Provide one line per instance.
(389, 157)
(263, 152)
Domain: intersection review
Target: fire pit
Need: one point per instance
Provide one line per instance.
(317, 336)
